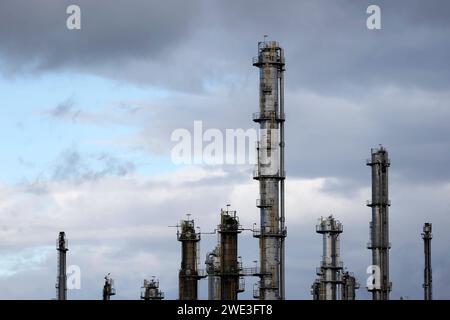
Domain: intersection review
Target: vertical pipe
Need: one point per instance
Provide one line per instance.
(61, 285)
(282, 219)
(428, 281)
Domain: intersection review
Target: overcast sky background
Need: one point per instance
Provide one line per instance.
(86, 117)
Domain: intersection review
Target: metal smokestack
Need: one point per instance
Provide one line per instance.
(379, 226)
(61, 283)
(270, 170)
(428, 281)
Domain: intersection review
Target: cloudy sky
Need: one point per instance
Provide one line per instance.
(86, 118)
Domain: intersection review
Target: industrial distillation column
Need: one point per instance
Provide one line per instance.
(427, 284)
(270, 170)
(379, 226)
(61, 284)
(108, 288)
(229, 229)
(349, 286)
(150, 290)
(213, 269)
(331, 264)
(188, 276)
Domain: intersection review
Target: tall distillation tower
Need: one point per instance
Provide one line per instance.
(189, 274)
(331, 264)
(379, 226)
(61, 283)
(230, 267)
(428, 281)
(270, 170)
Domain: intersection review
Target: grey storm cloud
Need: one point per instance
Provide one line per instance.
(35, 37)
(187, 44)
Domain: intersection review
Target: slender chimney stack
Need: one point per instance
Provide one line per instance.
(61, 283)
(428, 281)
(379, 226)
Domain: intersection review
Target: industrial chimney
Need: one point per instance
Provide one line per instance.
(428, 280)
(379, 226)
(61, 281)
(269, 170)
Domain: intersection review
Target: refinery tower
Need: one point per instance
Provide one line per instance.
(379, 226)
(269, 170)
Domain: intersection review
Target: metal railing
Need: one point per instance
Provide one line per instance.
(325, 227)
(369, 203)
(371, 245)
(268, 115)
(370, 163)
(270, 233)
(190, 236)
(276, 174)
(264, 203)
(325, 264)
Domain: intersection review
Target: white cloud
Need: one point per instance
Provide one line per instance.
(120, 225)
